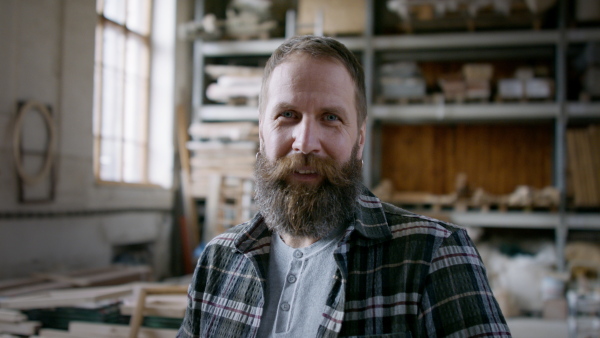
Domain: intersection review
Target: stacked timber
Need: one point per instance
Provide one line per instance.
(14, 322)
(401, 81)
(235, 85)
(106, 311)
(583, 147)
(471, 84)
(525, 86)
(221, 149)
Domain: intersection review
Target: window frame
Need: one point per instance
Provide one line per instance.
(99, 67)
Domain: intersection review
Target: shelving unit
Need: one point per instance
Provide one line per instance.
(368, 46)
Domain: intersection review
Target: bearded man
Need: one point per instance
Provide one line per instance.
(324, 257)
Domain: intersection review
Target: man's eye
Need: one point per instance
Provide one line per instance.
(331, 117)
(287, 114)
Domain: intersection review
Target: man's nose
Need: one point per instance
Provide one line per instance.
(306, 137)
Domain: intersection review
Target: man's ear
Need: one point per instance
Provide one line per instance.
(362, 134)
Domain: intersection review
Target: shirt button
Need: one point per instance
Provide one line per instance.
(285, 306)
(291, 279)
(298, 254)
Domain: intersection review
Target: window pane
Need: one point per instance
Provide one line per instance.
(110, 164)
(133, 162)
(136, 96)
(115, 10)
(112, 82)
(138, 18)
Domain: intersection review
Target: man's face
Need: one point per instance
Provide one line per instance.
(308, 174)
(310, 109)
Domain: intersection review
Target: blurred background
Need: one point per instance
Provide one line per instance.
(128, 134)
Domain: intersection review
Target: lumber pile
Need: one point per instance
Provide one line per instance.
(14, 322)
(235, 85)
(96, 312)
(39, 282)
(401, 81)
(225, 149)
(463, 198)
(473, 83)
(332, 17)
(583, 148)
(99, 330)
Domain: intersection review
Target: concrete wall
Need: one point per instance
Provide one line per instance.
(47, 54)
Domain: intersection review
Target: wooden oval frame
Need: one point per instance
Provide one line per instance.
(33, 179)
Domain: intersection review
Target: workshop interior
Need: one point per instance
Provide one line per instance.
(129, 134)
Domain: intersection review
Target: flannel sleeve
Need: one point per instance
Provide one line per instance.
(457, 300)
(190, 327)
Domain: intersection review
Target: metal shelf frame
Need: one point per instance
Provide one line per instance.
(560, 111)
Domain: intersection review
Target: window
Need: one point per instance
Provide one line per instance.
(122, 81)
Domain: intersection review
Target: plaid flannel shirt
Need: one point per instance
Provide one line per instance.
(400, 275)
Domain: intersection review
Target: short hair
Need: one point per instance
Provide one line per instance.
(318, 47)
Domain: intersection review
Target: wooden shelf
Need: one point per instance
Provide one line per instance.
(261, 47)
(477, 112)
(583, 221)
(217, 112)
(513, 219)
(466, 40)
(583, 110)
(413, 113)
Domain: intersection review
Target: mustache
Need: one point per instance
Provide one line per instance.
(327, 167)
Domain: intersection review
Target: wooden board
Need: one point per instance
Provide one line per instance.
(26, 328)
(497, 158)
(116, 331)
(169, 306)
(340, 17)
(53, 333)
(12, 316)
(65, 298)
(108, 276)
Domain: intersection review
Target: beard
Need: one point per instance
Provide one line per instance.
(307, 210)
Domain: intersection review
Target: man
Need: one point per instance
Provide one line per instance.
(324, 257)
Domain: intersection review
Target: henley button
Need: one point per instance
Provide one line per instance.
(298, 254)
(291, 279)
(285, 306)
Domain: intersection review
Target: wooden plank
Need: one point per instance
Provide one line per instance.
(575, 173)
(12, 316)
(33, 288)
(138, 314)
(53, 333)
(116, 331)
(19, 282)
(65, 298)
(169, 306)
(593, 151)
(113, 275)
(26, 328)
(192, 234)
(585, 161)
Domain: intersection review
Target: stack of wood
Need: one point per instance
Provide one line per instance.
(332, 17)
(221, 149)
(525, 86)
(401, 81)
(583, 146)
(100, 330)
(473, 83)
(83, 311)
(235, 85)
(38, 282)
(13, 322)
(463, 198)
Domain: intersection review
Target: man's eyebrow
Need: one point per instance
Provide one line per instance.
(335, 110)
(284, 106)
